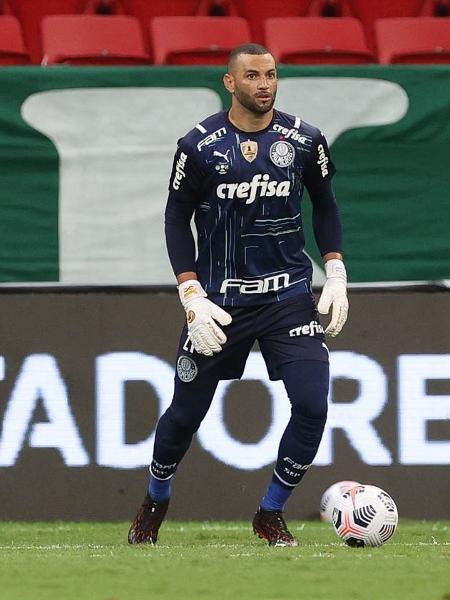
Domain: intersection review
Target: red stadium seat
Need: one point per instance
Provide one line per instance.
(30, 14)
(317, 40)
(196, 40)
(93, 40)
(145, 10)
(417, 40)
(12, 48)
(257, 11)
(368, 11)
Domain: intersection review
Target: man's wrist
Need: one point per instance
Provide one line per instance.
(189, 290)
(186, 276)
(332, 255)
(335, 269)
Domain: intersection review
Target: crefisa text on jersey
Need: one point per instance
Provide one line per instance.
(323, 160)
(293, 134)
(260, 186)
(179, 171)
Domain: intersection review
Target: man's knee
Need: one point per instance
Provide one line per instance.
(190, 404)
(182, 419)
(307, 384)
(306, 428)
(310, 401)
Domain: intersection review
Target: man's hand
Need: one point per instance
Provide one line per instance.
(201, 314)
(334, 294)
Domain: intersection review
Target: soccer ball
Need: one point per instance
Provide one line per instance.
(365, 515)
(331, 495)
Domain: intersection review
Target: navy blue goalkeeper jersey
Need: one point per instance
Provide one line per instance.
(244, 190)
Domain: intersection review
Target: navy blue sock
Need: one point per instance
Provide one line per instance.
(276, 496)
(159, 489)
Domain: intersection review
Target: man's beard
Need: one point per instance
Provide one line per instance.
(250, 103)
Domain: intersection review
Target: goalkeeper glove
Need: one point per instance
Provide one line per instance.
(201, 314)
(334, 293)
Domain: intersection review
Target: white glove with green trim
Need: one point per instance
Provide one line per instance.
(334, 293)
(201, 314)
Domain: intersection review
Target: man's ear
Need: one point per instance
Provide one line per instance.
(228, 82)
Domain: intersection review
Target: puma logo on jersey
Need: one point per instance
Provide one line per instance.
(260, 186)
(179, 171)
(224, 156)
(323, 160)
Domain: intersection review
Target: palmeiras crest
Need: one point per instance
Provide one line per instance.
(249, 150)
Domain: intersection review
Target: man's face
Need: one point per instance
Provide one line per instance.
(253, 81)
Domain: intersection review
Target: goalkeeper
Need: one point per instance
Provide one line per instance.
(241, 174)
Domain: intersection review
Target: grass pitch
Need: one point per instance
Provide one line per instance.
(219, 560)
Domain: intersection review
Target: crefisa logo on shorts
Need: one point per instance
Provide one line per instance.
(310, 329)
(186, 368)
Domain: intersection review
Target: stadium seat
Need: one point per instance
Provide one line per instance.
(368, 11)
(93, 40)
(317, 40)
(145, 10)
(30, 14)
(257, 11)
(196, 40)
(12, 47)
(416, 40)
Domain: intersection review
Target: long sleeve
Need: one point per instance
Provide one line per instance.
(325, 218)
(179, 239)
(184, 194)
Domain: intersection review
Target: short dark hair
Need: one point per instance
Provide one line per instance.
(254, 49)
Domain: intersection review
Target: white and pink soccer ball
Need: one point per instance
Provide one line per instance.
(330, 497)
(365, 515)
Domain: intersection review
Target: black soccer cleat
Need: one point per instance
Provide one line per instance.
(146, 524)
(270, 525)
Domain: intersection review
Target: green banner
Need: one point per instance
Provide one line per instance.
(85, 156)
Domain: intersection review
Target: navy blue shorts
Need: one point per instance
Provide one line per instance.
(286, 332)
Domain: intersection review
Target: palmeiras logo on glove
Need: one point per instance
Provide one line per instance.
(186, 368)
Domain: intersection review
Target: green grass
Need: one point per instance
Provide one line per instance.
(218, 560)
